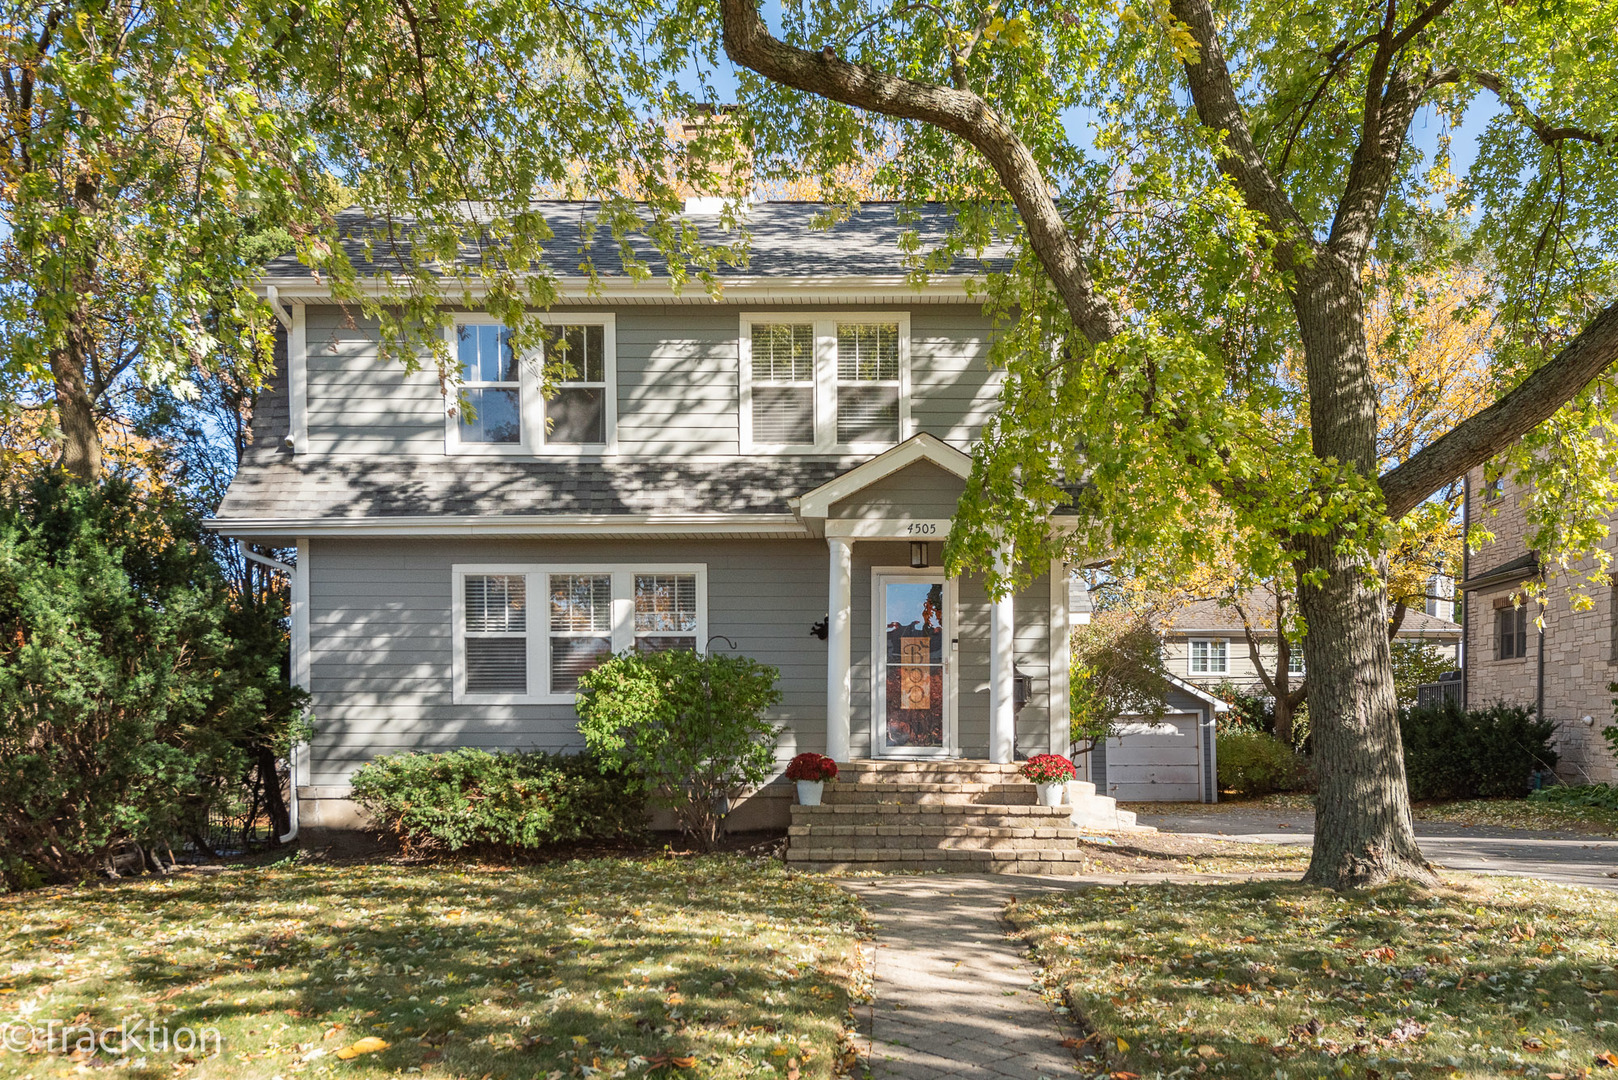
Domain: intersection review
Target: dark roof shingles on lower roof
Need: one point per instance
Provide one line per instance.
(366, 487)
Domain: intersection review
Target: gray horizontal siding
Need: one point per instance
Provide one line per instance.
(381, 641)
(678, 382)
(922, 490)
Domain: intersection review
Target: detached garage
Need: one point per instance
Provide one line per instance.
(1168, 760)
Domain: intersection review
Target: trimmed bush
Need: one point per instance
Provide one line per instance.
(497, 802)
(1253, 763)
(689, 727)
(1480, 753)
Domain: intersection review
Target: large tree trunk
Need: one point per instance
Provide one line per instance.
(1364, 834)
(75, 408)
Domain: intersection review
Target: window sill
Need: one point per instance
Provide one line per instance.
(513, 699)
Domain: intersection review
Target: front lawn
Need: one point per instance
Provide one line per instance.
(714, 967)
(1488, 978)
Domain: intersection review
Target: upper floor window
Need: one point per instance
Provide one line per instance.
(827, 382)
(1494, 488)
(1210, 656)
(510, 414)
(586, 614)
(1295, 661)
(1511, 632)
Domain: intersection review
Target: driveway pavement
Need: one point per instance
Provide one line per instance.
(1570, 857)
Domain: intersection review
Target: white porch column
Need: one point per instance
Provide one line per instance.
(839, 647)
(1002, 662)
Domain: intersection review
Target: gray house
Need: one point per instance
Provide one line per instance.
(773, 472)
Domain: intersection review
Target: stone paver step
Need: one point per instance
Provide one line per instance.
(945, 816)
(1029, 827)
(935, 794)
(957, 862)
(904, 846)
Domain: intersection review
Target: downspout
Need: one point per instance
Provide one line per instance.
(1539, 689)
(292, 759)
(1466, 572)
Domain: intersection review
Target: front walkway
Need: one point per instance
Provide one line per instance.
(953, 996)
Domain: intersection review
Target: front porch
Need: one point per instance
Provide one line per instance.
(921, 666)
(946, 815)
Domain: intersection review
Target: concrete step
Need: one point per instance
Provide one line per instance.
(905, 846)
(946, 814)
(956, 771)
(1020, 793)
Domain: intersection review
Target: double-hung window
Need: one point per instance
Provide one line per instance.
(1210, 656)
(506, 409)
(825, 382)
(509, 652)
(1295, 660)
(1511, 632)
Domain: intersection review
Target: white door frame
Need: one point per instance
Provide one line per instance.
(879, 658)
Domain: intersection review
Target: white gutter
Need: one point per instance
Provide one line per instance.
(799, 288)
(783, 526)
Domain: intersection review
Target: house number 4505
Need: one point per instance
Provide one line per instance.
(922, 528)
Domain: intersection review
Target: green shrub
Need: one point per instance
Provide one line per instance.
(134, 689)
(1253, 763)
(1602, 796)
(1478, 753)
(690, 727)
(497, 801)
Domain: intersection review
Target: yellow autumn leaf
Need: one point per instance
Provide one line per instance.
(1123, 1047)
(368, 1045)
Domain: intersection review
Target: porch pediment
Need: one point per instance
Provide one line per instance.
(922, 476)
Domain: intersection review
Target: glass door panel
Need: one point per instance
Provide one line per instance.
(912, 715)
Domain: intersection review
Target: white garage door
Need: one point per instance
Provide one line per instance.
(1156, 762)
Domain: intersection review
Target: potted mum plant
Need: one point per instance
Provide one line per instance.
(1050, 774)
(811, 771)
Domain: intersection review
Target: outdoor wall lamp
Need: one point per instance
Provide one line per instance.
(918, 555)
(821, 629)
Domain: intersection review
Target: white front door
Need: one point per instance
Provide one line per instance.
(912, 642)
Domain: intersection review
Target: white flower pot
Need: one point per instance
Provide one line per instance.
(809, 792)
(1051, 794)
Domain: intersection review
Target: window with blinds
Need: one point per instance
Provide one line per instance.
(867, 382)
(828, 384)
(665, 612)
(581, 627)
(496, 634)
(784, 384)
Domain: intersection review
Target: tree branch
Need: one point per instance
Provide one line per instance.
(1534, 122)
(749, 43)
(1220, 110)
(1483, 435)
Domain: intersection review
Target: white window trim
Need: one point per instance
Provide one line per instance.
(825, 331)
(1296, 656)
(1191, 656)
(539, 636)
(530, 404)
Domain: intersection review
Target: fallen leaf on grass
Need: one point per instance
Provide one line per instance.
(1123, 1047)
(1207, 1051)
(1608, 1059)
(672, 1061)
(368, 1045)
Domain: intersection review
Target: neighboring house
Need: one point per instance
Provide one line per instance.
(1563, 670)
(772, 472)
(1206, 643)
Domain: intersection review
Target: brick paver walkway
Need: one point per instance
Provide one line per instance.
(953, 995)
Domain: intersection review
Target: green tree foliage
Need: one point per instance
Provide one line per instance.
(138, 137)
(133, 688)
(1257, 763)
(1117, 671)
(687, 727)
(1195, 198)
(498, 802)
(1415, 663)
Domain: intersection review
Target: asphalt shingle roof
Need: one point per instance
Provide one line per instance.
(782, 242)
(1212, 617)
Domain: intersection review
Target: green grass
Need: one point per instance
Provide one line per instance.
(607, 967)
(1523, 814)
(1488, 978)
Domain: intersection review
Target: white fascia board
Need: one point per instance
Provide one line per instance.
(1196, 691)
(784, 526)
(922, 447)
(809, 288)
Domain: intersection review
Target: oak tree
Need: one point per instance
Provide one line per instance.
(1242, 169)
